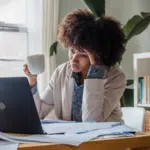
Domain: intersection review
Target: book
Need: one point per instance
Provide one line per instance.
(144, 89)
(141, 90)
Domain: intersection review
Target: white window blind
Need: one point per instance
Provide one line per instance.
(13, 37)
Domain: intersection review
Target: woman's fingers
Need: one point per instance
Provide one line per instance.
(92, 57)
(26, 70)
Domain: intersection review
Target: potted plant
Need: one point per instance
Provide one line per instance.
(134, 26)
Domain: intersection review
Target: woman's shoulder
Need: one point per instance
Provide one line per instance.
(115, 71)
(115, 74)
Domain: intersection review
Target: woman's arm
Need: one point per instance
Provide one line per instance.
(45, 102)
(100, 99)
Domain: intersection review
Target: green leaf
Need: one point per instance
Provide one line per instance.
(128, 98)
(130, 25)
(130, 82)
(122, 101)
(53, 48)
(145, 14)
(96, 6)
(135, 26)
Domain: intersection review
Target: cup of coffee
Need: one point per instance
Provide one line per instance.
(36, 63)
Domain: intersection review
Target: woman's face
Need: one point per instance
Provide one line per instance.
(79, 60)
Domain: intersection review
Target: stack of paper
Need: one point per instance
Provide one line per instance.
(62, 139)
(73, 133)
(55, 121)
(97, 129)
(5, 145)
(67, 127)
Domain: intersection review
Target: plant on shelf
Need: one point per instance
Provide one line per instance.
(134, 26)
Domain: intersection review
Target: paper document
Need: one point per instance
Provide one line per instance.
(74, 133)
(55, 121)
(67, 127)
(99, 128)
(62, 139)
(120, 129)
(5, 145)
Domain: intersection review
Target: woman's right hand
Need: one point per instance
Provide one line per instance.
(32, 78)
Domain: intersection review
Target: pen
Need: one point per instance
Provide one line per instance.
(116, 124)
(85, 131)
(113, 125)
(128, 134)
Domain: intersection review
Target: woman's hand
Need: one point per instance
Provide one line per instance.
(32, 78)
(97, 68)
(92, 57)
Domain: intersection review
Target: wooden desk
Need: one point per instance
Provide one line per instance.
(138, 141)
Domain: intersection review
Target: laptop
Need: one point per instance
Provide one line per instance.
(18, 113)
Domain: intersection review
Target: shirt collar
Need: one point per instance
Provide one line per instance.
(77, 77)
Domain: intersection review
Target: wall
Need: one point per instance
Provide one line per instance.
(65, 7)
(121, 10)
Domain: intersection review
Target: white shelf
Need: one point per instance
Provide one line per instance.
(143, 105)
(141, 66)
(142, 55)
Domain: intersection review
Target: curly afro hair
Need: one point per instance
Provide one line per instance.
(102, 36)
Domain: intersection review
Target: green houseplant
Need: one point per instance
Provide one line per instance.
(134, 26)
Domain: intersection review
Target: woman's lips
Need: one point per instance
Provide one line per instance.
(74, 65)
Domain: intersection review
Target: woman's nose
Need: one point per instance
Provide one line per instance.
(74, 58)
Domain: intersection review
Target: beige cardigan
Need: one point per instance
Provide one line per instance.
(101, 97)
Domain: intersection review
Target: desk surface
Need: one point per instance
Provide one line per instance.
(138, 141)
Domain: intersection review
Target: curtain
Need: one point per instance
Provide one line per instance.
(50, 13)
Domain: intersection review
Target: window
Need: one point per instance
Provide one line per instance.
(13, 37)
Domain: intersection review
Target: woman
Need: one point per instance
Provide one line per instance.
(89, 86)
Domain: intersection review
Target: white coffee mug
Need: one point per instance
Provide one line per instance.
(36, 63)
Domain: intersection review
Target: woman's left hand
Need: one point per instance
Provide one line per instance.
(92, 58)
(97, 69)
